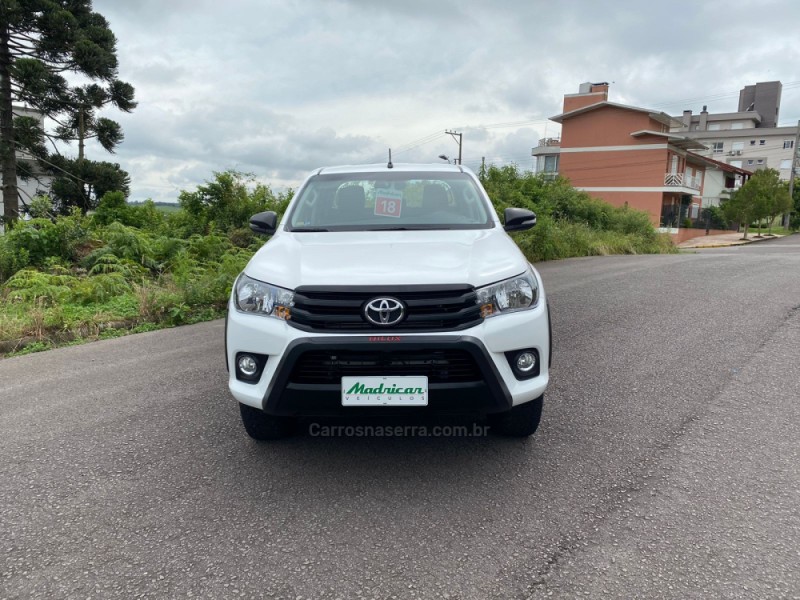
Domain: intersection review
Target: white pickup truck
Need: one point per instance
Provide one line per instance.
(389, 289)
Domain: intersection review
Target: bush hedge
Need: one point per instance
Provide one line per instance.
(132, 267)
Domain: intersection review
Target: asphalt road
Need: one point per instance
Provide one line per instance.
(666, 466)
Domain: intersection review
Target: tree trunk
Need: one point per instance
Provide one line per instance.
(8, 156)
(81, 133)
(85, 189)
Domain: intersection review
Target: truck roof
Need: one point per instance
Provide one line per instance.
(381, 167)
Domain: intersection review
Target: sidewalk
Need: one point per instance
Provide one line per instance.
(726, 239)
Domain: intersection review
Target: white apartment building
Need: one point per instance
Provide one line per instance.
(749, 138)
(32, 187)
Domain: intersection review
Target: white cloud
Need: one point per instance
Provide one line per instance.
(279, 88)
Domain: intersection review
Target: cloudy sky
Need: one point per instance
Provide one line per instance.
(277, 88)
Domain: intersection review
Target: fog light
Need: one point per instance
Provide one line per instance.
(248, 365)
(526, 362)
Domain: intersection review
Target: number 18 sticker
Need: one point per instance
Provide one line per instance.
(388, 202)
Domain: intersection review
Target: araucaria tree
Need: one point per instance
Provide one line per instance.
(40, 40)
(81, 121)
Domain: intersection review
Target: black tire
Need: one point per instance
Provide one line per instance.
(261, 426)
(520, 421)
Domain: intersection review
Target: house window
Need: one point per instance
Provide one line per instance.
(752, 142)
(762, 142)
(737, 146)
(786, 163)
(713, 127)
(717, 147)
(550, 163)
(751, 162)
(737, 125)
(788, 144)
(760, 161)
(736, 163)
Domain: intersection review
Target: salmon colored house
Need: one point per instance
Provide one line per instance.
(626, 156)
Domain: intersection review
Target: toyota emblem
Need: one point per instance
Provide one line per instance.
(384, 311)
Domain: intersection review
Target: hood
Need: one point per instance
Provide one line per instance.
(476, 257)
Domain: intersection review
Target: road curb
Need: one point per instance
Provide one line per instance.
(736, 243)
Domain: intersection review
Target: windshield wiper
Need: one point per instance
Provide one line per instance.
(430, 227)
(397, 228)
(307, 229)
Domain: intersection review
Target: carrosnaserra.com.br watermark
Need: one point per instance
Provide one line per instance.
(472, 430)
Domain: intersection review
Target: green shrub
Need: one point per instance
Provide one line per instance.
(166, 248)
(551, 240)
(32, 243)
(41, 207)
(99, 288)
(128, 243)
(227, 202)
(112, 207)
(28, 285)
(107, 263)
(12, 258)
(242, 237)
(714, 217)
(556, 198)
(208, 247)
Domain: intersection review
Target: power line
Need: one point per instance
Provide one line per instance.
(786, 86)
(419, 142)
(506, 124)
(600, 164)
(408, 146)
(67, 173)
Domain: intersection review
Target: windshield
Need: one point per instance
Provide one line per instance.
(391, 200)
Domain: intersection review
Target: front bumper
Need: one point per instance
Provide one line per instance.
(279, 392)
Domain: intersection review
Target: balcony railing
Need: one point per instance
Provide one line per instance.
(682, 180)
(551, 141)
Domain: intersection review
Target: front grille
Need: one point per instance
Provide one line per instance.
(428, 308)
(440, 366)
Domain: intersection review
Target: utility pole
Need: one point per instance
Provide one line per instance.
(795, 165)
(455, 135)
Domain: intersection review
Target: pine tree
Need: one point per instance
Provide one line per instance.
(82, 123)
(40, 40)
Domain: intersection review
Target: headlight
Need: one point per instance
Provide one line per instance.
(517, 293)
(253, 296)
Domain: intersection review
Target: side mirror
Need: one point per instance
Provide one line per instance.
(264, 222)
(519, 219)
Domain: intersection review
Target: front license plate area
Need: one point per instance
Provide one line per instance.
(385, 391)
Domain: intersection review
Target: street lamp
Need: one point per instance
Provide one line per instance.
(443, 157)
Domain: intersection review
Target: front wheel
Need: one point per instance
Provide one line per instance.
(520, 421)
(261, 426)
